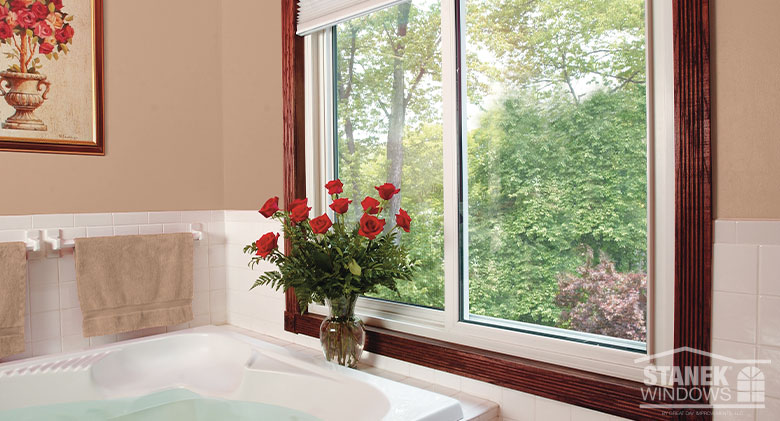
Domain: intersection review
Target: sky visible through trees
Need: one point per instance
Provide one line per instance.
(557, 153)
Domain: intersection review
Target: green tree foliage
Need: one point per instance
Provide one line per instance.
(556, 159)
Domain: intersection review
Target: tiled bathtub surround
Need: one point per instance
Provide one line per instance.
(746, 301)
(53, 316)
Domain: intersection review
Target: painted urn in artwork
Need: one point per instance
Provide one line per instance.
(26, 92)
(31, 28)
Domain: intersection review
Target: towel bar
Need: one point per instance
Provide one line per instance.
(54, 238)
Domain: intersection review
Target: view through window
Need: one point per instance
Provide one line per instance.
(556, 155)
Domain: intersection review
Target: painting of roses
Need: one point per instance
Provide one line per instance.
(51, 76)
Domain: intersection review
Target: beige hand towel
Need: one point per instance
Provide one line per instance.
(133, 282)
(13, 294)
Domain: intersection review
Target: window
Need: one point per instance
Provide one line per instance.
(521, 148)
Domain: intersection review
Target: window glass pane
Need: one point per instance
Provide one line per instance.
(557, 167)
(389, 120)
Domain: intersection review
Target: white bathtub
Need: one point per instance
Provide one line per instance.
(220, 366)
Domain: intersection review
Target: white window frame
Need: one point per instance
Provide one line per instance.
(446, 325)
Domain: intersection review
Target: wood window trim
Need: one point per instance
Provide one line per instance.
(693, 241)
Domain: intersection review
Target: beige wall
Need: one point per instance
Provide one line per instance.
(746, 108)
(251, 101)
(164, 116)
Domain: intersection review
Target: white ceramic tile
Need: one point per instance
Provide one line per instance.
(243, 216)
(481, 389)
(734, 317)
(200, 303)
(93, 219)
(723, 414)
(176, 228)
(758, 232)
(200, 279)
(45, 347)
(218, 216)
(69, 295)
(73, 233)
(102, 340)
(216, 232)
(447, 379)
(584, 414)
(43, 271)
(736, 351)
(517, 405)
(72, 320)
(217, 278)
(769, 270)
(131, 218)
(100, 231)
(201, 320)
(217, 255)
(735, 268)
(725, 231)
(44, 297)
(72, 343)
(547, 409)
(15, 222)
(201, 256)
(66, 266)
(45, 325)
(218, 300)
(150, 229)
(12, 236)
(126, 230)
(164, 217)
(53, 221)
(769, 320)
(196, 216)
(771, 371)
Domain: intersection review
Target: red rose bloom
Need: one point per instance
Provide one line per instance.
(298, 202)
(57, 4)
(340, 206)
(40, 11)
(266, 244)
(5, 31)
(320, 224)
(370, 205)
(64, 35)
(25, 18)
(371, 226)
(270, 207)
(299, 212)
(18, 5)
(42, 29)
(46, 48)
(403, 220)
(387, 191)
(3, 12)
(335, 187)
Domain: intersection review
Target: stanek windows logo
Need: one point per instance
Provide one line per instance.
(727, 384)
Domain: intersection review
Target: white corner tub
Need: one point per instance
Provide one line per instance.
(207, 373)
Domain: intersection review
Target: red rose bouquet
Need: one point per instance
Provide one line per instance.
(33, 27)
(333, 259)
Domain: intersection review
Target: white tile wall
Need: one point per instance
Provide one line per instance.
(746, 303)
(53, 317)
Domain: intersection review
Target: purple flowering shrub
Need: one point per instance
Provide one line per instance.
(598, 299)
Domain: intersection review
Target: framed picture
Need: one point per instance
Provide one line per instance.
(51, 76)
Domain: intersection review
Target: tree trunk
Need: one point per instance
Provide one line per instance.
(395, 131)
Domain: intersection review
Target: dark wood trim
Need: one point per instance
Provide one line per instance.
(693, 285)
(80, 148)
(693, 184)
(294, 120)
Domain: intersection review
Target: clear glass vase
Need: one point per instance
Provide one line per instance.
(342, 335)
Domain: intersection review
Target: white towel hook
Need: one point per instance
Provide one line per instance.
(33, 240)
